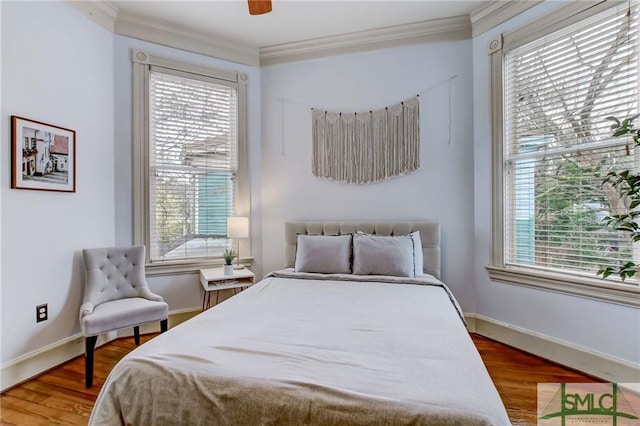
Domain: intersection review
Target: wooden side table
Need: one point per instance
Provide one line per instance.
(213, 279)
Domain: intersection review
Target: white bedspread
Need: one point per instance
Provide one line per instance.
(292, 351)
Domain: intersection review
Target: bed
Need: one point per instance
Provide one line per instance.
(315, 348)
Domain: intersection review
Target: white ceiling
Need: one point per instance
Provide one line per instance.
(291, 20)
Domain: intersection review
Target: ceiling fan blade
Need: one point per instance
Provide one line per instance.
(258, 7)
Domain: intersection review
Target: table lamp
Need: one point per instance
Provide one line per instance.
(237, 227)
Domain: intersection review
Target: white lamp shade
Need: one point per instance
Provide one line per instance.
(238, 227)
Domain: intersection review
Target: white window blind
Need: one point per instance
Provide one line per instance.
(558, 90)
(193, 141)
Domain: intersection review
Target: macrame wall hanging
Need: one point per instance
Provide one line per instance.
(367, 147)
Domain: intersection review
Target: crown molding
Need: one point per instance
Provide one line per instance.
(181, 38)
(107, 15)
(455, 28)
(496, 12)
(104, 13)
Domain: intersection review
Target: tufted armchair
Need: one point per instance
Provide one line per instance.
(116, 296)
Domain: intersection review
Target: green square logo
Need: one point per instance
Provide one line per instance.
(561, 404)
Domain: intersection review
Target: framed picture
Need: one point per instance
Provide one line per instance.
(43, 156)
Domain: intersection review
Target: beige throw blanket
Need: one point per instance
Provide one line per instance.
(294, 351)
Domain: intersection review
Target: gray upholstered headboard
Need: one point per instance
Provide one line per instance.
(429, 235)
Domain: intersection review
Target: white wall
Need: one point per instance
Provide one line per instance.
(602, 327)
(3, 158)
(180, 291)
(77, 75)
(57, 67)
(442, 190)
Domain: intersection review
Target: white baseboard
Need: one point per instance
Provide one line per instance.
(37, 362)
(573, 356)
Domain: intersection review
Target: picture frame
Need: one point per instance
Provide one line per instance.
(43, 156)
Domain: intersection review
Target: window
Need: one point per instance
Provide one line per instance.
(190, 141)
(554, 85)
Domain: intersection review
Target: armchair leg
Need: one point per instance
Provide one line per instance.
(90, 344)
(163, 325)
(136, 334)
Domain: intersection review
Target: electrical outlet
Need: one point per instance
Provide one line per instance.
(42, 313)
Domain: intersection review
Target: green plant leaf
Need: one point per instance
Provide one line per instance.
(627, 184)
(615, 120)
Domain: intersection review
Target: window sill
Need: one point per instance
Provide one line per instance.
(575, 285)
(187, 267)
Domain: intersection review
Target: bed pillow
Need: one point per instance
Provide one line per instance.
(418, 256)
(376, 255)
(325, 254)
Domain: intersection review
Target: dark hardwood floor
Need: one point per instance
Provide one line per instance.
(59, 396)
(516, 375)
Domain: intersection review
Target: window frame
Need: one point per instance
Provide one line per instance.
(576, 284)
(142, 63)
